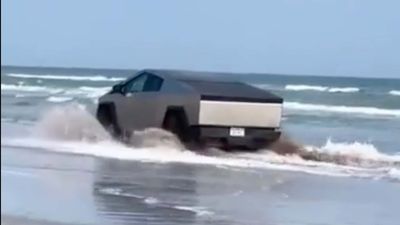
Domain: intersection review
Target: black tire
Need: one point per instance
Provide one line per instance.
(106, 117)
(173, 123)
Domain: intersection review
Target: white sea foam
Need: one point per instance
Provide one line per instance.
(62, 93)
(359, 149)
(118, 192)
(95, 92)
(394, 92)
(29, 88)
(344, 89)
(198, 210)
(342, 109)
(302, 87)
(394, 173)
(67, 77)
(59, 99)
(355, 153)
(86, 91)
(151, 200)
(305, 88)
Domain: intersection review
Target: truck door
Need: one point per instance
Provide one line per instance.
(141, 102)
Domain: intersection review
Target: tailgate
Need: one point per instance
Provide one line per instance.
(244, 114)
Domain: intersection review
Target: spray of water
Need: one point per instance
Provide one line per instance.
(155, 137)
(72, 122)
(351, 154)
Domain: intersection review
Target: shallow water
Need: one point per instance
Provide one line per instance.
(55, 186)
(59, 166)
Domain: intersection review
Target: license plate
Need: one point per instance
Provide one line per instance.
(236, 131)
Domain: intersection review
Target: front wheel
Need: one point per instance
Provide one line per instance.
(173, 124)
(106, 117)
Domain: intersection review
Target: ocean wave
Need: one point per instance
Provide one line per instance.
(67, 77)
(59, 99)
(198, 210)
(394, 174)
(343, 90)
(28, 88)
(18, 120)
(293, 87)
(94, 92)
(87, 92)
(394, 92)
(82, 91)
(342, 109)
(305, 88)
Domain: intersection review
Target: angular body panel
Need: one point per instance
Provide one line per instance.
(196, 106)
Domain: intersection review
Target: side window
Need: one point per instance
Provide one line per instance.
(153, 83)
(136, 85)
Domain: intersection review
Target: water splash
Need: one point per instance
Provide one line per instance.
(71, 128)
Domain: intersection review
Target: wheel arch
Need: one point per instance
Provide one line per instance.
(179, 111)
(106, 112)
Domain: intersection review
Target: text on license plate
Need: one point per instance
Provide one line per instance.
(236, 131)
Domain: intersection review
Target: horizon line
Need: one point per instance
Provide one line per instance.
(252, 73)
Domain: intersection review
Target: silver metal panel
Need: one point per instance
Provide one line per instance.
(140, 110)
(244, 114)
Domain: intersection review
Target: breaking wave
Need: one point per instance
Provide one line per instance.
(301, 87)
(394, 92)
(58, 99)
(67, 93)
(65, 77)
(94, 92)
(80, 133)
(29, 88)
(344, 89)
(342, 109)
(305, 88)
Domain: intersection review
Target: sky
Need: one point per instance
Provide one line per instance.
(315, 37)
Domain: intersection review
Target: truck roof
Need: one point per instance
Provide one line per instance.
(192, 75)
(218, 86)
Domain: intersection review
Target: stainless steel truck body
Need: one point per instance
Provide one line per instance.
(199, 107)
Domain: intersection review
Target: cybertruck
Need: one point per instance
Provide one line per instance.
(200, 108)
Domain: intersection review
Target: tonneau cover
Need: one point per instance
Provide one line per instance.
(218, 86)
(232, 91)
